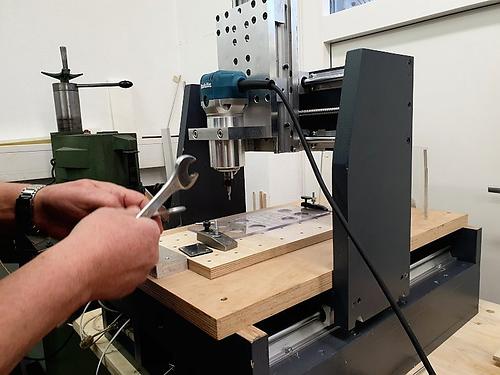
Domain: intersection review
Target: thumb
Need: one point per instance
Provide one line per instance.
(132, 210)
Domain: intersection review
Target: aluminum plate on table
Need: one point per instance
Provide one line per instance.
(246, 224)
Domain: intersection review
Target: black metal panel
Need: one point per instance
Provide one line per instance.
(163, 338)
(372, 181)
(436, 309)
(465, 240)
(207, 199)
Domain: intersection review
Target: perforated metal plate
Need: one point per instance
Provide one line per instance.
(259, 38)
(243, 225)
(246, 39)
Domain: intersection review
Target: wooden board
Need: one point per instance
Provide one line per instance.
(252, 249)
(260, 247)
(230, 303)
(251, 334)
(438, 224)
(470, 350)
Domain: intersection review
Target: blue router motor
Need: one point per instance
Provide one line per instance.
(222, 84)
(224, 105)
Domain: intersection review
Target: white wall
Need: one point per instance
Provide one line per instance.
(106, 40)
(456, 115)
(197, 39)
(150, 41)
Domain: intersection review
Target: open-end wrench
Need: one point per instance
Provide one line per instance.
(164, 213)
(181, 179)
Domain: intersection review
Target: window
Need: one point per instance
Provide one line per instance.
(339, 5)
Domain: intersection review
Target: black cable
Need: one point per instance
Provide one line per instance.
(53, 171)
(270, 85)
(55, 353)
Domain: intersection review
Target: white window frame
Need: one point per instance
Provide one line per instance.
(381, 15)
(372, 17)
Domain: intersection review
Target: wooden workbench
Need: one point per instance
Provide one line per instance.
(469, 351)
(228, 304)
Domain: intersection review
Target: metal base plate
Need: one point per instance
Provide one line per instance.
(196, 250)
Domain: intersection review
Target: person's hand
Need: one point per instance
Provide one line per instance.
(58, 208)
(111, 251)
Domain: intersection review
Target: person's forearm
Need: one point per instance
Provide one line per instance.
(8, 196)
(36, 298)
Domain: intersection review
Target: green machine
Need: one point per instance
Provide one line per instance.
(77, 154)
(107, 156)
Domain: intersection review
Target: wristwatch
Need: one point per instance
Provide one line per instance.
(24, 210)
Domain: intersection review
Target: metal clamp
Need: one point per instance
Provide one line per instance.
(229, 133)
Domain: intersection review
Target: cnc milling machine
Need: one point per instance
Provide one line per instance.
(363, 112)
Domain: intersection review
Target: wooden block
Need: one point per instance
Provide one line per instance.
(438, 224)
(251, 334)
(169, 263)
(252, 249)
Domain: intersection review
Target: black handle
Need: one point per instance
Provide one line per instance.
(494, 190)
(125, 84)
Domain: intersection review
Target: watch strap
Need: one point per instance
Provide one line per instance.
(24, 209)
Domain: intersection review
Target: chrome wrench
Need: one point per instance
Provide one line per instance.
(181, 179)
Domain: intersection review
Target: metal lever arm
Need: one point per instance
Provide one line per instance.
(122, 84)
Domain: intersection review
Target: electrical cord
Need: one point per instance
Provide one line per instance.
(109, 344)
(7, 271)
(52, 171)
(93, 319)
(81, 319)
(90, 340)
(246, 85)
(106, 307)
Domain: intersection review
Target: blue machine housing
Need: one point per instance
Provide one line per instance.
(222, 84)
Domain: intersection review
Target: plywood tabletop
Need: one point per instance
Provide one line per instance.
(438, 224)
(228, 304)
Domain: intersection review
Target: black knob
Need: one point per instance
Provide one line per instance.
(206, 226)
(125, 84)
(306, 199)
